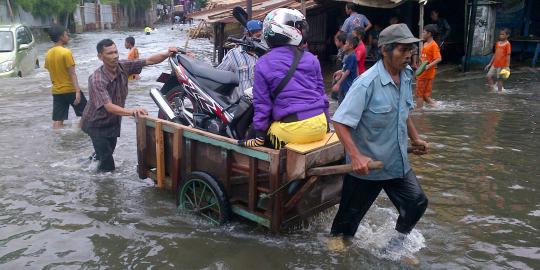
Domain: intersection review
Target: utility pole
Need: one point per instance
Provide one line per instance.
(10, 11)
(421, 27)
(470, 36)
(249, 4)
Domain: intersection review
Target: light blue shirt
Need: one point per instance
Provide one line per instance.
(242, 63)
(377, 110)
(354, 20)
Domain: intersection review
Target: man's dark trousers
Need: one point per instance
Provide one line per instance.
(104, 147)
(358, 195)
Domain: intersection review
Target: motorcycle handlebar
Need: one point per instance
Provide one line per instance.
(181, 50)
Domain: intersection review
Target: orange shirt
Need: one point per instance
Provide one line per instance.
(133, 54)
(502, 51)
(429, 53)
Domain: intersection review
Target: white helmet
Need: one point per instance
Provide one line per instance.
(284, 26)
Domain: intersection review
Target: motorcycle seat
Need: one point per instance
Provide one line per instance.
(221, 85)
(205, 72)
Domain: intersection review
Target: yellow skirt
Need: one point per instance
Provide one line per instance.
(306, 131)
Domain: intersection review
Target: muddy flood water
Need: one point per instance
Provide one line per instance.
(482, 179)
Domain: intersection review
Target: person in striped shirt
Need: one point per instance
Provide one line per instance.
(241, 61)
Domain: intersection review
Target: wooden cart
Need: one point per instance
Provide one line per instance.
(215, 178)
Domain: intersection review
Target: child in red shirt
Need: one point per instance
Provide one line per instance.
(432, 55)
(360, 50)
(500, 60)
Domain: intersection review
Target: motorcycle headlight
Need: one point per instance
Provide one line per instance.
(6, 66)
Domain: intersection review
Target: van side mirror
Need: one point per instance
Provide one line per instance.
(23, 47)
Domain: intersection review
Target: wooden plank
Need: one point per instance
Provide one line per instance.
(189, 156)
(251, 216)
(296, 198)
(298, 164)
(341, 169)
(176, 159)
(165, 125)
(252, 184)
(170, 127)
(142, 168)
(275, 182)
(160, 155)
(252, 152)
(227, 170)
(329, 139)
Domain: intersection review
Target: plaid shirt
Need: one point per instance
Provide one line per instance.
(242, 63)
(104, 88)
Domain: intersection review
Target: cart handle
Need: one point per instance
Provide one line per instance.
(341, 169)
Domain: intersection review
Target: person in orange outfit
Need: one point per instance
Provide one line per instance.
(432, 55)
(500, 60)
(133, 54)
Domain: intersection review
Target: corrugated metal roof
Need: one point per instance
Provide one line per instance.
(223, 14)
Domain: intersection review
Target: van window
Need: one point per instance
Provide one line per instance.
(6, 41)
(29, 33)
(22, 36)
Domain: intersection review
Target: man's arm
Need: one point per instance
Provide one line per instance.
(447, 28)
(117, 110)
(509, 56)
(160, 57)
(226, 62)
(75, 82)
(368, 26)
(490, 62)
(359, 162)
(415, 139)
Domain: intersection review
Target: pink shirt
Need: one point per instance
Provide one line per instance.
(360, 52)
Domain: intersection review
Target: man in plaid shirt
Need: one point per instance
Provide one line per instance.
(108, 89)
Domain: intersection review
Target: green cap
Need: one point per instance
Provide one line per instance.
(396, 33)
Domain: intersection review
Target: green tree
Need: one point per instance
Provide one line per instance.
(47, 7)
(201, 3)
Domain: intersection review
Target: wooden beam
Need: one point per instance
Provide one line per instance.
(296, 198)
(275, 205)
(142, 168)
(252, 184)
(341, 169)
(227, 144)
(176, 159)
(160, 155)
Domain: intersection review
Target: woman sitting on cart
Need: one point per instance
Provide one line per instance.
(290, 102)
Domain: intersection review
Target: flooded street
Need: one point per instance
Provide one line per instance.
(56, 212)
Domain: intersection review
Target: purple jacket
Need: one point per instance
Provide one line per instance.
(303, 95)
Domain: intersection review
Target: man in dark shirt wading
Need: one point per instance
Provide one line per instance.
(108, 89)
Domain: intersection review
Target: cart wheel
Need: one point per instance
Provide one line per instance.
(201, 194)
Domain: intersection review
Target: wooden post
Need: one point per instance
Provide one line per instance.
(214, 53)
(303, 7)
(142, 168)
(249, 8)
(160, 155)
(11, 16)
(275, 182)
(252, 183)
(176, 159)
(421, 28)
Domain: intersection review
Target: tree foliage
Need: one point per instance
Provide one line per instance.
(47, 7)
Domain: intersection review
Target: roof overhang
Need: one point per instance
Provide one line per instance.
(382, 3)
(223, 13)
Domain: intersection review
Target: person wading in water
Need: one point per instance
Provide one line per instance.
(373, 122)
